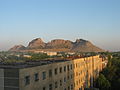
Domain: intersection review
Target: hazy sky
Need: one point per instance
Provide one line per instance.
(94, 20)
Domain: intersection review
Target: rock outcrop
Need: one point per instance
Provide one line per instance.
(59, 43)
(36, 43)
(85, 46)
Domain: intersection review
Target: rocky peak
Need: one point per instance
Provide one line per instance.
(36, 43)
(80, 41)
(85, 46)
(17, 47)
(59, 43)
(37, 40)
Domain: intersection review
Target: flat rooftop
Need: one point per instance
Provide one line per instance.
(28, 64)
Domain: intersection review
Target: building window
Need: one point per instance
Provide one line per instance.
(56, 84)
(68, 77)
(76, 65)
(60, 82)
(50, 73)
(71, 67)
(71, 76)
(76, 82)
(60, 69)
(64, 79)
(68, 88)
(68, 67)
(44, 75)
(80, 88)
(50, 86)
(71, 87)
(81, 71)
(44, 88)
(76, 73)
(27, 80)
(55, 71)
(79, 81)
(36, 76)
(64, 68)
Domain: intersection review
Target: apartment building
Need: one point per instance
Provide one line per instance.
(76, 74)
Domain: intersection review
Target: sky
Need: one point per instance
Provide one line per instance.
(95, 20)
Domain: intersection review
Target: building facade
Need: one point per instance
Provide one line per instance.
(76, 74)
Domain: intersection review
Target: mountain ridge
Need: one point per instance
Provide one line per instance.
(80, 45)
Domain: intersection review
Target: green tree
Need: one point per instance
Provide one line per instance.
(112, 72)
(39, 56)
(102, 83)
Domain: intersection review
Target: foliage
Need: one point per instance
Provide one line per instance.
(39, 56)
(18, 57)
(13, 61)
(112, 72)
(102, 83)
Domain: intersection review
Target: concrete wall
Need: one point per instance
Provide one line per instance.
(11, 80)
(1, 79)
(86, 70)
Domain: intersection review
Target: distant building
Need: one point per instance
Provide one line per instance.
(27, 56)
(51, 53)
(76, 74)
(47, 52)
(71, 53)
(38, 51)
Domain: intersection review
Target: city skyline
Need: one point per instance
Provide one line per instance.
(97, 21)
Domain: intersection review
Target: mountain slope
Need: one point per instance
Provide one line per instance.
(17, 48)
(59, 43)
(85, 46)
(36, 43)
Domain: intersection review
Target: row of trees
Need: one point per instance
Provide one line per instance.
(8, 58)
(109, 78)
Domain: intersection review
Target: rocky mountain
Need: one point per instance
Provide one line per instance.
(36, 43)
(79, 45)
(59, 43)
(85, 46)
(17, 47)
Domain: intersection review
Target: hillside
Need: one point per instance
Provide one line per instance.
(17, 48)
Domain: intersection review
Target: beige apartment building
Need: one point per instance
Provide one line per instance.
(76, 74)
